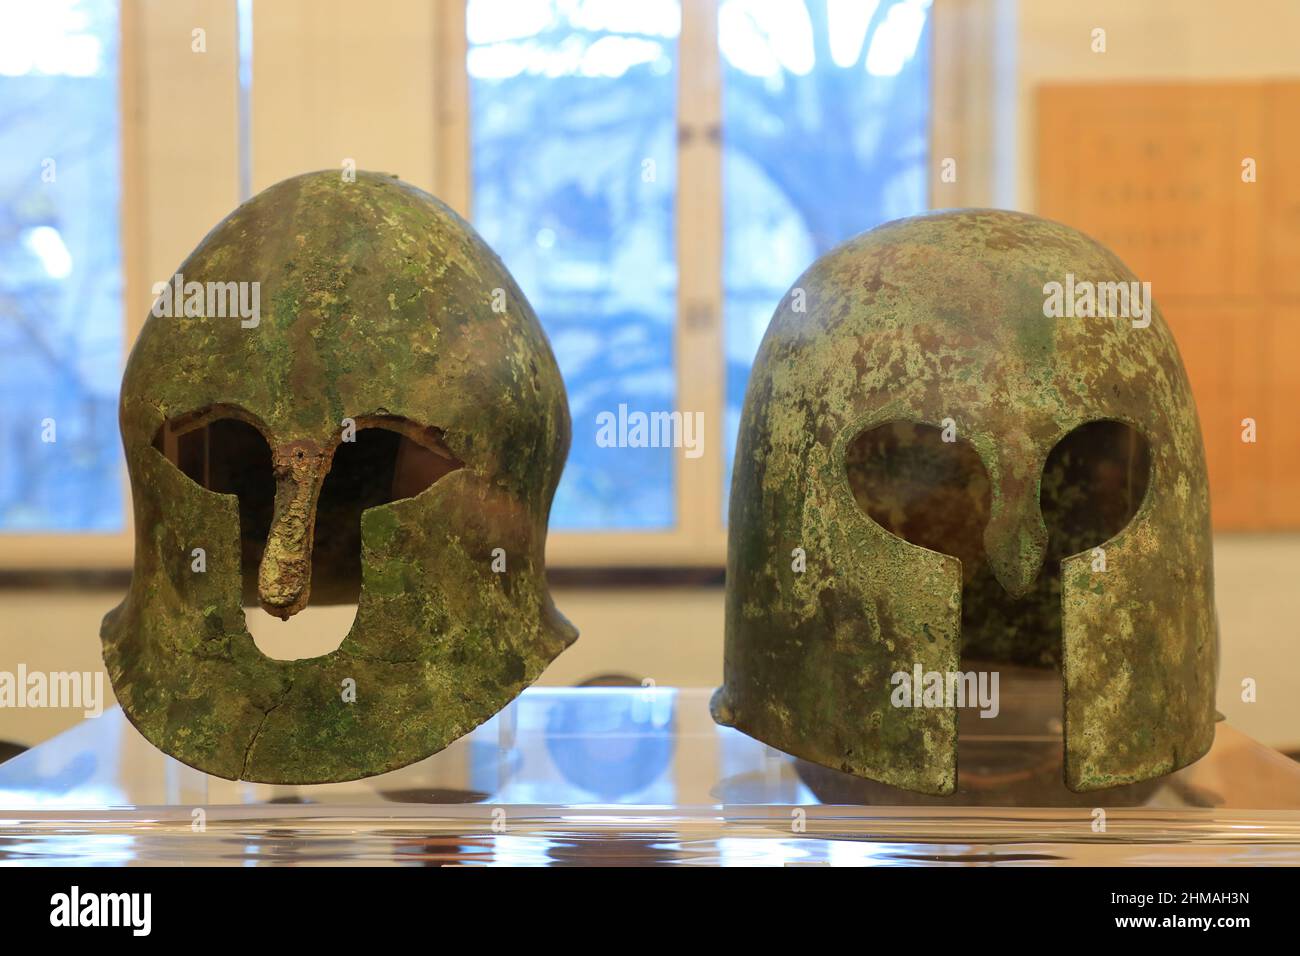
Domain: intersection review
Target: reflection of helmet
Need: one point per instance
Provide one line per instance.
(379, 306)
(612, 744)
(936, 326)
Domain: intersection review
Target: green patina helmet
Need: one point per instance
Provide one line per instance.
(342, 396)
(968, 440)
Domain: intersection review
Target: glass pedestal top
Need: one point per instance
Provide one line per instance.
(643, 775)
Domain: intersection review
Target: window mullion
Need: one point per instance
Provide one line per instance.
(452, 167)
(699, 345)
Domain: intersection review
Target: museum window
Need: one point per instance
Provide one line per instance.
(573, 139)
(654, 175)
(825, 125)
(61, 329)
(596, 132)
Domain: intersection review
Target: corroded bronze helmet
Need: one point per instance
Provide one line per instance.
(968, 438)
(343, 396)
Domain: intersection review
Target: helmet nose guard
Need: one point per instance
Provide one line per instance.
(284, 576)
(1015, 538)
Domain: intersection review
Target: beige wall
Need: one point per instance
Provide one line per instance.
(990, 57)
(1146, 40)
(333, 83)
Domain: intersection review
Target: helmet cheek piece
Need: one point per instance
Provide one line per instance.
(1140, 652)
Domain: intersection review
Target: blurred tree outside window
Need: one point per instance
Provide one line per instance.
(573, 136)
(61, 327)
(826, 112)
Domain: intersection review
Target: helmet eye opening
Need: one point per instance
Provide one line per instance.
(937, 494)
(224, 449)
(921, 488)
(1094, 483)
(390, 459)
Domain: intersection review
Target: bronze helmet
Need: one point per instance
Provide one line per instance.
(380, 420)
(929, 400)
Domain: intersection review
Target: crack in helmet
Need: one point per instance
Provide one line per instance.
(386, 424)
(931, 467)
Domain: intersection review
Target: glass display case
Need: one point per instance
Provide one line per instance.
(644, 776)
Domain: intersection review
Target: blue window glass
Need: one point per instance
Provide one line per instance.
(573, 110)
(826, 107)
(61, 325)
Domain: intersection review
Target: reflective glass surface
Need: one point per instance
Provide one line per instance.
(644, 776)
